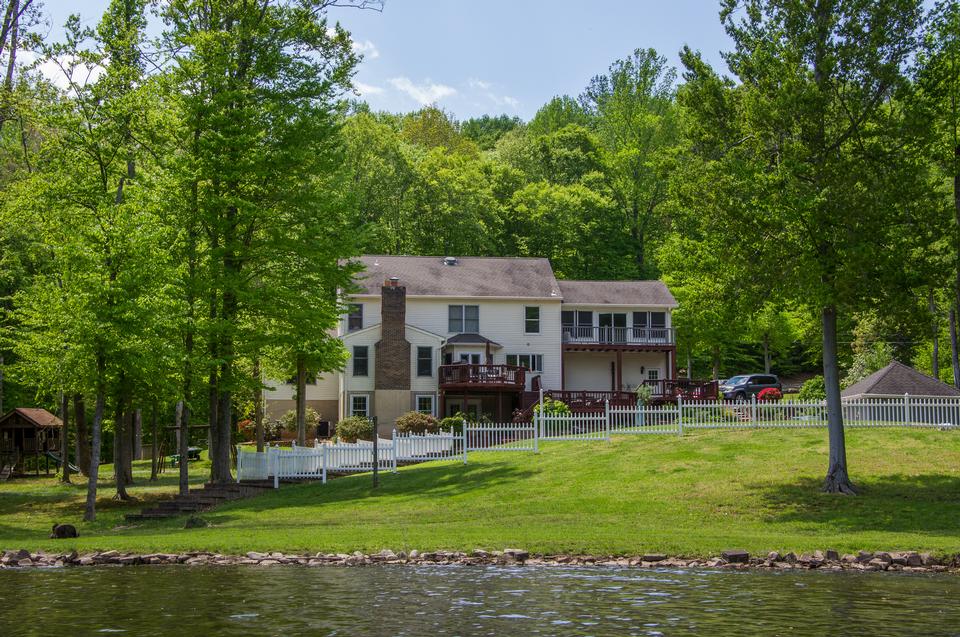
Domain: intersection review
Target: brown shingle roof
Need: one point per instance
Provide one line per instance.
(897, 379)
(39, 417)
(617, 293)
(472, 276)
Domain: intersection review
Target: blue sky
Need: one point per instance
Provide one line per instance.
(499, 56)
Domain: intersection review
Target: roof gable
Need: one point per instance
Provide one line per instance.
(651, 292)
(39, 417)
(494, 277)
(897, 379)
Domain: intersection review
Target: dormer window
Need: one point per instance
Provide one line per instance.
(355, 317)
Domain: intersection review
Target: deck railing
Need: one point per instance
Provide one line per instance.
(588, 334)
(466, 374)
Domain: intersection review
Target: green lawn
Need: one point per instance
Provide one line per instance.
(691, 496)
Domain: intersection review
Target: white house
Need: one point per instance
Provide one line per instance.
(482, 334)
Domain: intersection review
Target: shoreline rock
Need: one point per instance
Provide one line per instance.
(901, 561)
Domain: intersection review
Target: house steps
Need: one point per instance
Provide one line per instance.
(202, 499)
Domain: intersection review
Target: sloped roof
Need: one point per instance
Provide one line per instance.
(897, 379)
(513, 277)
(617, 293)
(471, 339)
(39, 417)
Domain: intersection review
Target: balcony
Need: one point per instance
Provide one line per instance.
(670, 390)
(472, 377)
(618, 336)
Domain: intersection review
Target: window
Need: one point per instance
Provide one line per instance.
(355, 318)
(360, 405)
(531, 323)
(424, 361)
(361, 361)
(532, 362)
(658, 320)
(425, 404)
(464, 319)
(653, 374)
(473, 359)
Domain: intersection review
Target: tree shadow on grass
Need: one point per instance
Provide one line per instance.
(928, 503)
(426, 482)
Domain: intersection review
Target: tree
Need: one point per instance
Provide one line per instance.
(485, 131)
(817, 189)
(633, 114)
(257, 85)
(559, 112)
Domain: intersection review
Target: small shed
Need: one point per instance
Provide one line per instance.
(897, 379)
(28, 432)
(899, 392)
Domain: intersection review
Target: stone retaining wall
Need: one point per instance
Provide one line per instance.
(734, 559)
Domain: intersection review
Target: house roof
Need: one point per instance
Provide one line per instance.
(505, 277)
(897, 379)
(471, 339)
(617, 293)
(39, 417)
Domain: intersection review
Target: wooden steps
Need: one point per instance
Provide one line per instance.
(202, 499)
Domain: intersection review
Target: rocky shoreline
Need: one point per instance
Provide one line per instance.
(734, 559)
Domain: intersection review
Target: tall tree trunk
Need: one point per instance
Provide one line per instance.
(935, 362)
(954, 354)
(137, 432)
(90, 512)
(183, 445)
(716, 363)
(83, 441)
(65, 438)
(1, 384)
(154, 443)
(258, 405)
(689, 365)
(120, 438)
(301, 401)
(766, 353)
(837, 480)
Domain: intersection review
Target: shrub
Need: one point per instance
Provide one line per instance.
(552, 407)
(813, 390)
(453, 423)
(414, 422)
(246, 430)
(644, 393)
(770, 394)
(289, 420)
(355, 428)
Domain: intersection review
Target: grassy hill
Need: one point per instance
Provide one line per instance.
(692, 496)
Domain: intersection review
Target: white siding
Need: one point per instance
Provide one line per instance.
(591, 371)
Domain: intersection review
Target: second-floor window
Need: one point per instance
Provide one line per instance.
(424, 361)
(355, 318)
(464, 319)
(531, 322)
(361, 361)
(532, 362)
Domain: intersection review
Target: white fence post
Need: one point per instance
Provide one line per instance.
(536, 433)
(679, 415)
(753, 410)
(464, 441)
(393, 446)
(606, 420)
(239, 463)
(323, 463)
(906, 409)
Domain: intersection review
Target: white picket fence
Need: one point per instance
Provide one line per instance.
(317, 461)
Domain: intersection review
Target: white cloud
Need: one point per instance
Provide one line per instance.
(485, 90)
(368, 89)
(65, 71)
(426, 93)
(366, 48)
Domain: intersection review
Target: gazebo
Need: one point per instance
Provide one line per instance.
(26, 432)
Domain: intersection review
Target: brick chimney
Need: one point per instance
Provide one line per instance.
(393, 351)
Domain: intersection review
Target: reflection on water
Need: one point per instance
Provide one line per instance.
(462, 600)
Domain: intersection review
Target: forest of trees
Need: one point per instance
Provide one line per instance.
(177, 213)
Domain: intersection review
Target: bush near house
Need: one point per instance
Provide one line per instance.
(289, 420)
(813, 390)
(552, 407)
(355, 428)
(414, 422)
(770, 394)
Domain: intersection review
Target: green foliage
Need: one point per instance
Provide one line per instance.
(417, 423)
(485, 131)
(354, 428)
(552, 407)
(644, 393)
(812, 390)
(453, 423)
(288, 421)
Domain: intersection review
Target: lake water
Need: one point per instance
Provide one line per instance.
(461, 600)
